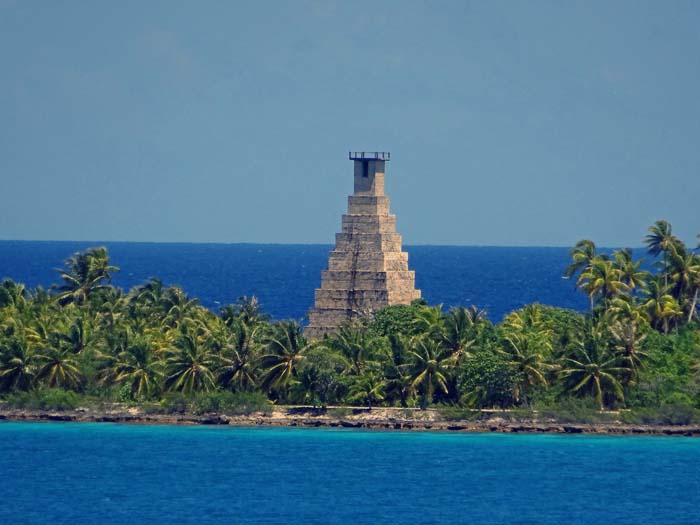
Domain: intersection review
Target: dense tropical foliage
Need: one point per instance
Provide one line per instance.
(638, 346)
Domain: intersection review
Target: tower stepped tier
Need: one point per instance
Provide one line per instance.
(368, 269)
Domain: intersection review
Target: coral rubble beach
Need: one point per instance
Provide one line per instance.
(358, 418)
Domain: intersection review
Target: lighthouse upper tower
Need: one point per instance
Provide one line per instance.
(369, 172)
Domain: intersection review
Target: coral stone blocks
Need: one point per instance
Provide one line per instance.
(367, 270)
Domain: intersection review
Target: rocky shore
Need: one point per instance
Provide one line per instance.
(376, 419)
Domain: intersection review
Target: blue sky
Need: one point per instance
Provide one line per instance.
(509, 123)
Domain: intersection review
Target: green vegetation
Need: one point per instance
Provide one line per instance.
(637, 349)
(50, 399)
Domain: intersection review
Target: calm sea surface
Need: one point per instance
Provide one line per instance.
(92, 473)
(283, 277)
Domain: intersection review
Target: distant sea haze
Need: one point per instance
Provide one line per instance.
(283, 277)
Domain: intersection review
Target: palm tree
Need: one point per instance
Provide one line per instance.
(630, 272)
(582, 254)
(77, 337)
(17, 366)
(246, 310)
(660, 306)
(58, 367)
(144, 303)
(138, 367)
(593, 369)
(625, 309)
(428, 320)
(84, 274)
(529, 318)
(684, 272)
(306, 388)
(602, 280)
(190, 365)
(477, 316)
(283, 352)
(112, 309)
(368, 388)
(355, 344)
(238, 370)
(177, 306)
(526, 354)
(660, 239)
(429, 369)
(150, 293)
(14, 295)
(626, 339)
(396, 369)
(37, 333)
(459, 331)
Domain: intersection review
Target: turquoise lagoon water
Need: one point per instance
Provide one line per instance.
(91, 473)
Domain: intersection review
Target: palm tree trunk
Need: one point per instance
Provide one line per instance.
(427, 393)
(693, 305)
(599, 393)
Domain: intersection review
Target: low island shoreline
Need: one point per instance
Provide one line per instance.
(381, 419)
(85, 350)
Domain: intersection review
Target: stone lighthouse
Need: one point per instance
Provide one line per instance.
(367, 270)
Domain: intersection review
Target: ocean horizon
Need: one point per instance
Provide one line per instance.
(94, 243)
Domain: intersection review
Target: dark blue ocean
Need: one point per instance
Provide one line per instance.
(73, 473)
(284, 277)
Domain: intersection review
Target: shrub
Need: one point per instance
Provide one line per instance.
(231, 403)
(670, 414)
(396, 319)
(455, 413)
(58, 399)
(124, 394)
(340, 412)
(175, 403)
(573, 410)
(150, 407)
(49, 399)
(487, 381)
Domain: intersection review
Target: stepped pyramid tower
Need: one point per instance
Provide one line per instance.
(367, 270)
